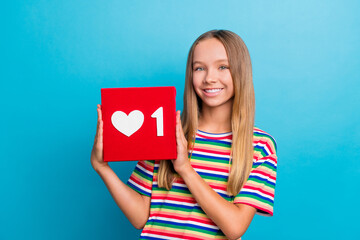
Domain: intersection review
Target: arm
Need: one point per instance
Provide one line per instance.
(134, 205)
(232, 219)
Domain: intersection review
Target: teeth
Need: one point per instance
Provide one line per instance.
(213, 90)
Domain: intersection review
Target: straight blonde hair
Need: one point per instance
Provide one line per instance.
(242, 116)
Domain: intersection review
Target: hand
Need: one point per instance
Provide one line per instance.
(97, 156)
(182, 163)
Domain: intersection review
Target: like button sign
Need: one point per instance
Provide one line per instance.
(139, 123)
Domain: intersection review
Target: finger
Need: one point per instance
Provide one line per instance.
(181, 131)
(97, 125)
(98, 134)
(178, 137)
(178, 133)
(101, 130)
(99, 110)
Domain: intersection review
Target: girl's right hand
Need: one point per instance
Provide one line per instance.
(97, 156)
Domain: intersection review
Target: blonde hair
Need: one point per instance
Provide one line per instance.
(242, 116)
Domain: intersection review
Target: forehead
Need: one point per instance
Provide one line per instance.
(209, 50)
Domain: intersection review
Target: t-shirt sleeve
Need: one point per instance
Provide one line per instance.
(141, 179)
(258, 191)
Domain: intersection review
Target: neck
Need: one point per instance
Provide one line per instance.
(215, 120)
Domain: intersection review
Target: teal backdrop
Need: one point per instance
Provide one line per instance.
(56, 55)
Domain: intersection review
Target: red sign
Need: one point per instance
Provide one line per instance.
(139, 123)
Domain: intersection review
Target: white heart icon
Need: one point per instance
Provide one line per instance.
(127, 124)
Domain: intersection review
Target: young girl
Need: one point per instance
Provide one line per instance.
(225, 170)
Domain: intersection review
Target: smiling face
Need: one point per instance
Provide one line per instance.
(212, 79)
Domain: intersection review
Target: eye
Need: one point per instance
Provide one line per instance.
(223, 67)
(198, 69)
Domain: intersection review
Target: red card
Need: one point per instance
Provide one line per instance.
(139, 123)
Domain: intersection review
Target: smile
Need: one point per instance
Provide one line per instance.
(212, 92)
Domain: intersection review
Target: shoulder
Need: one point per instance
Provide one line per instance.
(264, 143)
(146, 166)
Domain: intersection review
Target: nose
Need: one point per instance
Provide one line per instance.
(211, 76)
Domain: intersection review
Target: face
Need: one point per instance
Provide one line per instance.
(212, 79)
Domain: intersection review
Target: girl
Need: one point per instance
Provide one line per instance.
(225, 169)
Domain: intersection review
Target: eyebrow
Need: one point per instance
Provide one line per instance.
(220, 60)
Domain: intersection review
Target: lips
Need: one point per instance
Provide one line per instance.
(212, 91)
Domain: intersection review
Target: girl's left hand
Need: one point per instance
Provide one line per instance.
(182, 162)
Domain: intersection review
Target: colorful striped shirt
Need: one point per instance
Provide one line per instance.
(175, 214)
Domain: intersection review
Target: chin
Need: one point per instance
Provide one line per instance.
(214, 104)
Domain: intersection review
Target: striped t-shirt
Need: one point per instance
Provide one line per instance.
(175, 214)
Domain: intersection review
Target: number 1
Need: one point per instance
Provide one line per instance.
(158, 114)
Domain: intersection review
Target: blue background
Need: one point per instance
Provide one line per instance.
(56, 55)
